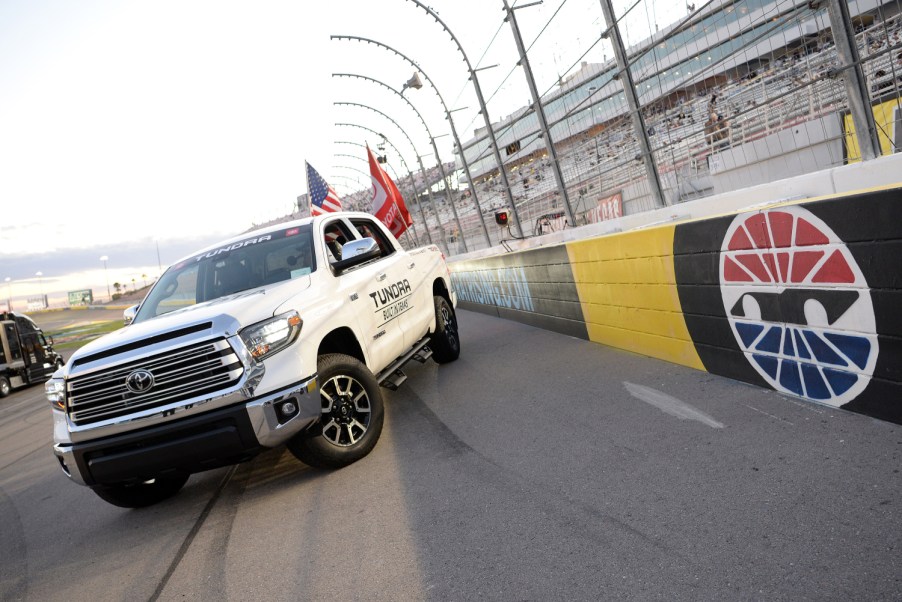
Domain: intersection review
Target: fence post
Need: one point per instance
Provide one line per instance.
(540, 113)
(632, 101)
(855, 82)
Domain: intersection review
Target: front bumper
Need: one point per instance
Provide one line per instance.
(194, 444)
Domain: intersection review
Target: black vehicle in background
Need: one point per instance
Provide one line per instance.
(26, 356)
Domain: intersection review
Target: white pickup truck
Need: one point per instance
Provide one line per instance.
(282, 335)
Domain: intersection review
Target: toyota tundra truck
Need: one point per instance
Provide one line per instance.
(279, 336)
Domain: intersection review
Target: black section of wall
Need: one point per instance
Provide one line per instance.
(535, 287)
(696, 263)
(871, 226)
(868, 216)
(888, 308)
(882, 399)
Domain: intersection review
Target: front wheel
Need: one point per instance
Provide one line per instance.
(445, 341)
(140, 495)
(352, 415)
(4, 386)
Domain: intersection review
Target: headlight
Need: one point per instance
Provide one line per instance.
(55, 388)
(272, 336)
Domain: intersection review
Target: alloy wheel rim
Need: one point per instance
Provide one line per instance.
(346, 410)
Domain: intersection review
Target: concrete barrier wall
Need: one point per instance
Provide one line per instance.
(801, 297)
(535, 287)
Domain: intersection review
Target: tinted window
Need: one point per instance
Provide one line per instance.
(336, 234)
(240, 266)
(15, 352)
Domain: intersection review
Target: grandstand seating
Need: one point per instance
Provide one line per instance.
(795, 85)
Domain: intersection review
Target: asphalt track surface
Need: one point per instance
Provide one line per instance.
(536, 467)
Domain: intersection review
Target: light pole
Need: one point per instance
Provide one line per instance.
(9, 294)
(428, 133)
(417, 198)
(107, 276)
(539, 111)
(41, 287)
(423, 171)
(400, 156)
(351, 189)
(360, 171)
(482, 109)
(457, 141)
(360, 186)
(632, 101)
(419, 161)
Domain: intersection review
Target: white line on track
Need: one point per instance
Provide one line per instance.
(769, 415)
(670, 405)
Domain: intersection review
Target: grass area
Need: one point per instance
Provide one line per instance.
(76, 336)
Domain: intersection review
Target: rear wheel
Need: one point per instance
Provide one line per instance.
(4, 386)
(352, 415)
(445, 341)
(139, 495)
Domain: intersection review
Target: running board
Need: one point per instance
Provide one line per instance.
(392, 377)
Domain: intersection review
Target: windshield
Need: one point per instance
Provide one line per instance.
(240, 266)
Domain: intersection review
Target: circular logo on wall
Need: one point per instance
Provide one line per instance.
(798, 305)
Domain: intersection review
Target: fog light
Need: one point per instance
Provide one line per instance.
(286, 410)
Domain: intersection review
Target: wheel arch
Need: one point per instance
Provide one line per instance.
(440, 289)
(342, 340)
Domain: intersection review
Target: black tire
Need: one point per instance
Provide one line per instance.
(445, 341)
(352, 415)
(5, 387)
(139, 495)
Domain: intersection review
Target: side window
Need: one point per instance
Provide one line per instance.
(12, 338)
(336, 234)
(368, 229)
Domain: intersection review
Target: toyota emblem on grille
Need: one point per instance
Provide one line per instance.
(139, 381)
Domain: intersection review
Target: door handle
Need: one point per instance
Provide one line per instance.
(411, 266)
(381, 277)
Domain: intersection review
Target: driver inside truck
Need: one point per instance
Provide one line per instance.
(233, 276)
(300, 263)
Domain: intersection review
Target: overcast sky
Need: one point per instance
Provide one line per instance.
(130, 126)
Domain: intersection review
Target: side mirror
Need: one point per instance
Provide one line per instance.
(129, 314)
(357, 252)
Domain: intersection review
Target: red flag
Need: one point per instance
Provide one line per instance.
(388, 206)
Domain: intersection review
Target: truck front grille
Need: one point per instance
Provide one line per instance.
(177, 375)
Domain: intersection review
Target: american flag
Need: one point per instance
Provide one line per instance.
(322, 197)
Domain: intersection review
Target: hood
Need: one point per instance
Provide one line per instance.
(227, 314)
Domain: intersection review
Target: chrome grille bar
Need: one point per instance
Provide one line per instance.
(179, 374)
(115, 388)
(151, 364)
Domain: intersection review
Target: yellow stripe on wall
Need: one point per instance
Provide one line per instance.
(627, 289)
